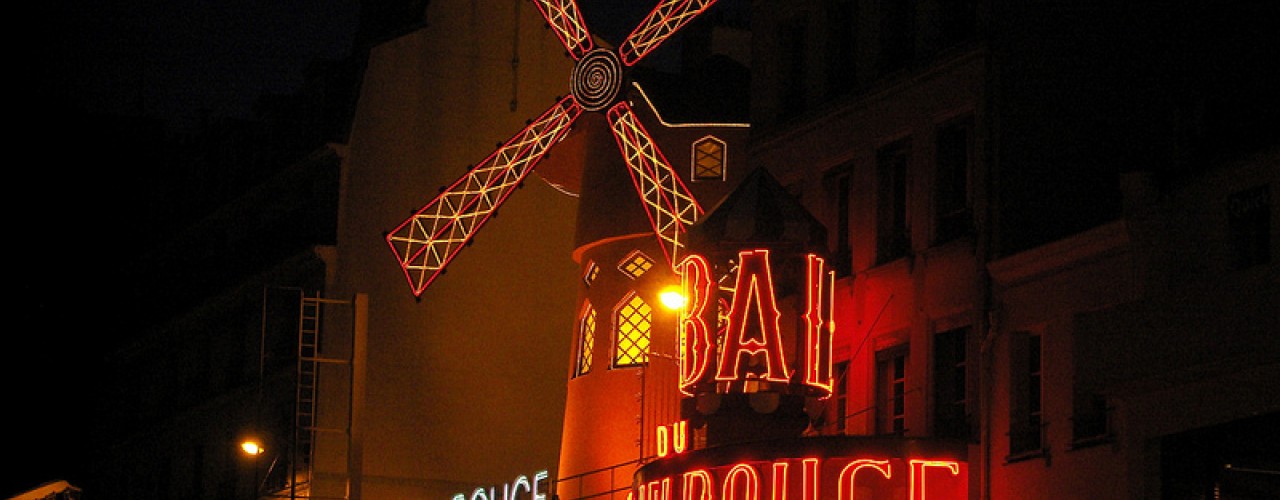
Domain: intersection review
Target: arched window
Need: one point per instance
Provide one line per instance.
(632, 319)
(586, 339)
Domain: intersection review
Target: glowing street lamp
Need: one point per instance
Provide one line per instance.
(671, 298)
(252, 447)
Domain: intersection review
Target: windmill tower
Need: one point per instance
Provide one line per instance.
(641, 181)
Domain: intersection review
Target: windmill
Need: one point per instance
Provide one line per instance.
(428, 240)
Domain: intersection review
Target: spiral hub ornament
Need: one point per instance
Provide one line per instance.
(597, 79)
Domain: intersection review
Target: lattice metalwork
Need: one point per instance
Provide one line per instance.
(663, 21)
(586, 339)
(708, 159)
(667, 201)
(429, 239)
(634, 320)
(635, 264)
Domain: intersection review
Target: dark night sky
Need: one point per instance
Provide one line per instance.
(173, 60)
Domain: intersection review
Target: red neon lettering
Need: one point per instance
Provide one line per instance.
(657, 490)
(918, 468)
(698, 481)
(753, 290)
(850, 473)
(744, 479)
(817, 355)
(694, 334)
(780, 480)
(809, 469)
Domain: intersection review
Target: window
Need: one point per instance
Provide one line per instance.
(635, 265)
(838, 184)
(953, 212)
(893, 233)
(840, 397)
(708, 159)
(592, 272)
(1026, 424)
(586, 339)
(633, 320)
(891, 391)
(1249, 227)
(950, 384)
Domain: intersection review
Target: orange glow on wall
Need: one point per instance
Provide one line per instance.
(694, 333)
(753, 298)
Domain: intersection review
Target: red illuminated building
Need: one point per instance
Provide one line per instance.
(928, 250)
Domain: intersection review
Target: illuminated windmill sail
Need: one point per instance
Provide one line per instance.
(429, 239)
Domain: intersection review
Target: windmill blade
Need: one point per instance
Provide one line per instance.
(564, 17)
(430, 238)
(663, 21)
(667, 201)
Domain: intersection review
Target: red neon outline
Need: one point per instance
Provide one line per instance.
(659, 494)
(565, 19)
(753, 269)
(427, 241)
(647, 166)
(818, 343)
(694, 334)
(686, 485)
(731, 478)
(850, 473)
(918, 470)
(809, 469)
(664, 20)
(779, 482)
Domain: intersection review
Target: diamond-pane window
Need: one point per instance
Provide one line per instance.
(633, 321)
(586, 340)
(593, 271)
(708, 159)
(636, 264)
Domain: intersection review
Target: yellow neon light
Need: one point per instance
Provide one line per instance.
(670, 207)
(648, 102)
(565, 20)
(663, 21)
(430, 238)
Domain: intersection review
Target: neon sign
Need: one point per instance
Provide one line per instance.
(534, 490)
(752, 341)
(813, 478)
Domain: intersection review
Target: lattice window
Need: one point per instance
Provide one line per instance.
(635, 265)
(592, 272)
(708, 159)
(586, 339)
(633, 320)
